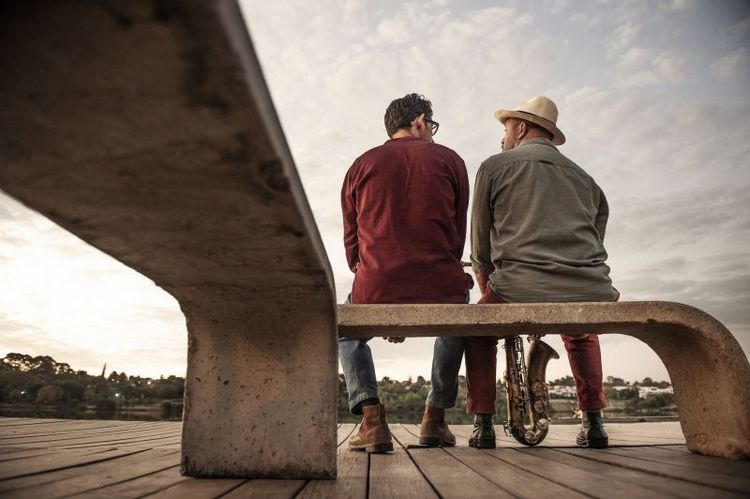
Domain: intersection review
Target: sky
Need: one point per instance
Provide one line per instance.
(653, 98)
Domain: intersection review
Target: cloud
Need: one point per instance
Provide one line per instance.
(624, 36)
(733, 65)
(639, 66)
(676, 5)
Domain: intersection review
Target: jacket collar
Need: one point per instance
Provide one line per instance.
(538, 140)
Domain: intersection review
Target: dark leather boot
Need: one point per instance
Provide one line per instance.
(434, 432)
(483, 434)
(374, 435)
(592, 432)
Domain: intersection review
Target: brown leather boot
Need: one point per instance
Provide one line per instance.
(434, 432)
(374, 435)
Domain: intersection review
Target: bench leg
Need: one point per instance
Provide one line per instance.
(261, 387)
(711, 380)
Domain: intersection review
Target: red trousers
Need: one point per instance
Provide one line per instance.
(481, 369)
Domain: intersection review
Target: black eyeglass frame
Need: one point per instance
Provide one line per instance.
(435, 125)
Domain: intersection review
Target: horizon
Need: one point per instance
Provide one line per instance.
(409, 378)
(653, 98)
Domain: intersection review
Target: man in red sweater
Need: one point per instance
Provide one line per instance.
(404, 205)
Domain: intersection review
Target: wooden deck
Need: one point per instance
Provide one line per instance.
(45, 458)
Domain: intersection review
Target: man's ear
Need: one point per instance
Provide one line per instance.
(417, 120)
(522, 128)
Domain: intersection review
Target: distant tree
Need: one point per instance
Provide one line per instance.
(42, 364)
(647, 381)
(566, 381)
(613, 381)
(48, 395)
(625, 394)
(73, 391)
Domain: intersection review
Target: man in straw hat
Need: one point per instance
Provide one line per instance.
(537, 230)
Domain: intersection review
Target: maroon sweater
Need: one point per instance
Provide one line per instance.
(404, 206)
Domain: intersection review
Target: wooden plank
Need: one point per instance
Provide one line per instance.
(658, 485)
(28, 421)
(56, 461)
(688, 468)
(91, 432)
(404, 434)
(90, 477)
(146, 439)
(584, 481)
(138, 487)
(200, 488)
(9, 454)
(447, 475)
(263, 488)
(615, 457)
(73, 430)
(33, 430)
(517, 482)
(353, 469)
(396, 475)
(344, 432)
(693, 461)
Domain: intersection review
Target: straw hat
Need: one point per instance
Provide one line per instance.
(539, 110)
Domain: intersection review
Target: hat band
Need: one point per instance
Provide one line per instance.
(536, 116)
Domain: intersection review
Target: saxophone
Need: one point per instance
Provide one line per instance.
(527, 398)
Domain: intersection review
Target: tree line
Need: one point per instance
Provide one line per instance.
(40, 382)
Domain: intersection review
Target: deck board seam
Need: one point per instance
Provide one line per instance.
(478, 472)
(556, 482)
(655, 472)
(119, 482)
(419, 469)
(346, 438)
(50, 470)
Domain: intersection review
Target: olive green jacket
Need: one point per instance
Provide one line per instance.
(537, 227)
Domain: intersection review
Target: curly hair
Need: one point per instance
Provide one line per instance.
(401, 112)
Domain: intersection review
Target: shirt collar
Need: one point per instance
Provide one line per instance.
(404, 139)
(538, 140)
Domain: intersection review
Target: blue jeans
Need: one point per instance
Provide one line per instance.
(359, 371)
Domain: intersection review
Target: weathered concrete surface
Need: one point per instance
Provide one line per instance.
(146, 129)
(708, 369)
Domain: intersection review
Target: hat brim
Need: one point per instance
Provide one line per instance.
(558, 138)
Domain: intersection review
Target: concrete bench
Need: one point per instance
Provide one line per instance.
(707, 367)
(146, 129)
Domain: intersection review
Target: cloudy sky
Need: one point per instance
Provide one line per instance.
(653, 97)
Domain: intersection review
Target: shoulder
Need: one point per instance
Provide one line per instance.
(371, 153)
(442, 153)
(498, 162)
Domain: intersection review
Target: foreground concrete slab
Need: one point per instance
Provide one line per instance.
(708, 369)
(146, 129)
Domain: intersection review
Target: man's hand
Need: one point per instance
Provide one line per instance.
(394, 339)
(482, 280)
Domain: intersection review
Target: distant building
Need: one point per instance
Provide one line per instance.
(645, 391)
(562, 392)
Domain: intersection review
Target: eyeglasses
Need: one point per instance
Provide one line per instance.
(434, 124)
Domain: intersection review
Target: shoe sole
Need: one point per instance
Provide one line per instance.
(483, 444)
(374, 448)
(435, 442)
(594, 443)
